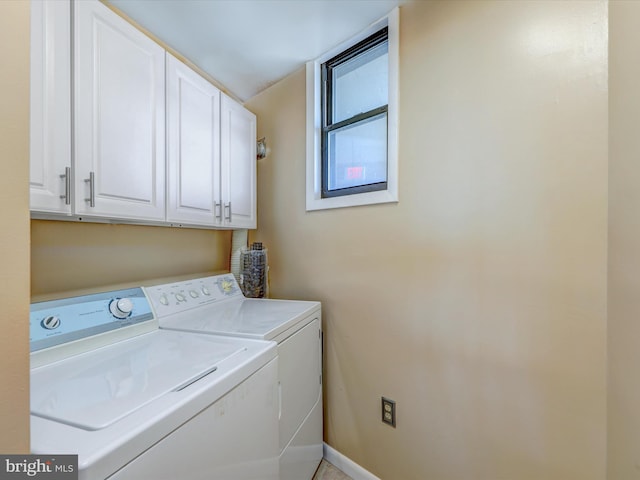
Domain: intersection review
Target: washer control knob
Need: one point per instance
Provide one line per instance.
(121, 307)
(164, 300)
(205, 290)
(50, 322)
(180, 297)
(193, 294)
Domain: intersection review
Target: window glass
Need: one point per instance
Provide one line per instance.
(358, 154)
(361, 83)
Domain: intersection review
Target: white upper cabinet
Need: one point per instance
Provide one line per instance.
(107, 161)
(50, 144)
(119, 120)
(193, 147)
(238, 164)
(211, 167)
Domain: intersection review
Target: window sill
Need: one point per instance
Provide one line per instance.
(356, 200)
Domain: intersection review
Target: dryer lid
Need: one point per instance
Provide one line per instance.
(97, 388)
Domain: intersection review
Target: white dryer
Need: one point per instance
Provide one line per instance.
(294, 325)
(138, 403)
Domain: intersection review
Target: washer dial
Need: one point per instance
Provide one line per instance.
(50, 323)
(121, 307)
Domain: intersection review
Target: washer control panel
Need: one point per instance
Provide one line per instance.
(61, 321)
(180, 296)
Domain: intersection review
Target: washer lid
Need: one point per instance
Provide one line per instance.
(263, 319)
(97, 388)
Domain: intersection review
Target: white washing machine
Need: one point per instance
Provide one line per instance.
(138, 403)
(294, 325)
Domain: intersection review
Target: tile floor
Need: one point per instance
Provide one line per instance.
(326, 471)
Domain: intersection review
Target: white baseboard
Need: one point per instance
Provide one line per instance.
(347, 465)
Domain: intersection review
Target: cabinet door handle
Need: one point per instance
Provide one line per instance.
(67, 186)
(92, 191)
(217, 210)
(227, 206)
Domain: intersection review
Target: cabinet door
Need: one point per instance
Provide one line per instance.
(193, 146)
(238, 164)
(119, 117)
(50, 147)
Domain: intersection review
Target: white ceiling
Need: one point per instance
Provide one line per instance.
(248, 45)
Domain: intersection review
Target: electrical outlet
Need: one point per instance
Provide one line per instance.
(389, 412)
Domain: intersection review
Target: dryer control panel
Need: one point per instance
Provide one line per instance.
(180, 296)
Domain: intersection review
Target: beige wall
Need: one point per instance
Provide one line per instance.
(68, 256)
(14, 234)
(624, 242)
(478, 302)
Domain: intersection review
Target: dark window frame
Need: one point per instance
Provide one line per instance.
(372, 41)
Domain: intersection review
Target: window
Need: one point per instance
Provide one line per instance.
(352, 103)
(354, 118)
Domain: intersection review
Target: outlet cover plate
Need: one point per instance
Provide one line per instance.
(389, 411)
